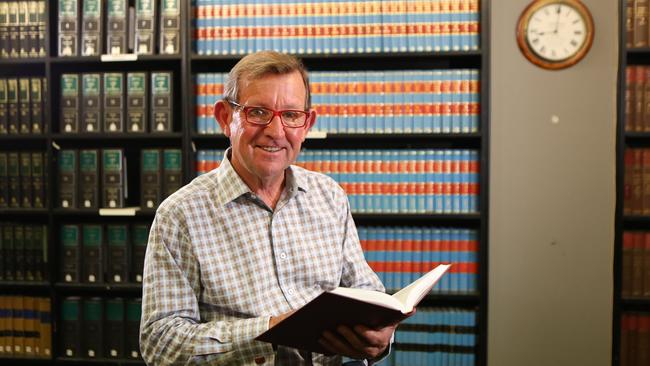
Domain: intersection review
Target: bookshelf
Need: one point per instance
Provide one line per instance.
(184, 135)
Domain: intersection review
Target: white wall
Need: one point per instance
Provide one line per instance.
(552, 197)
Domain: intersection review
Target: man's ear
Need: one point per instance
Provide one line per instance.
(223, 115)
(311, 120)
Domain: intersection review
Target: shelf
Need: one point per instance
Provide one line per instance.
(20, 285)
(416, 219)
(111, 361)
(89, 212)
(117, 137)
(21, 61)
(98, 59)
(25, 361)
(355, 55)
(23, 212)
(129, 288)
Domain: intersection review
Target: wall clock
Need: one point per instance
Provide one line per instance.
(555, 34)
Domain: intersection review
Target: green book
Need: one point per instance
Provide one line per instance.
(150, 182)
(13, 171)
(117, 27)
(68, 28)
(145, 27)
(132, 338)
(170, 26)
(38, 179)
(161, 102)
(136, 101)
(69, 103)
(4, 105)
(26, 193)
(8, 251)
(172, 171)
(139, 239)
(113, 178)
(91, 28)
(36, 91)
(113, 102)
(68, 178)
(115, 328)
(117, 253)
(92, 329)
(91, 106)
(89, 178)
(70, 238)
(71, 328)
(12, 106)
(92, 245)
(24, 104)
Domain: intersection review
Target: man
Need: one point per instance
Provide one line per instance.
(241, 247)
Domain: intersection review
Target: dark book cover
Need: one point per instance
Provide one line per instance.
(24, 103)
(42, 27)
(4, 106)
(4, 30)
(117, 253)
(91, 102)
(70, 94)
(30, 333)
(113, 178)
(93, 328)
(18, 320)
(12, 106)
(13, 171)
(132, 338)
(8, 251)
(114, 330)
(139, 239)
(14, 30)
(170, 26)
(89, 178)
(23, 29)
(45, 327)
(40, 253)
(30, 252)
(150, 181)
(172, 171)
(136, 101)
(91, 28)
(92, 246)
(113, 102)
(38, 179)
(68, 28)
(71, 326)
(4, 180)
(32, 29)
(68, 178)
(19, 252)
(161, 102)
(26, 193)
(36, 98)
(70, 238)
(145, 27)
(117, 27)
(4, 254)
(6, 336)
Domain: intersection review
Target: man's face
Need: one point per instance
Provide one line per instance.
(262, 153)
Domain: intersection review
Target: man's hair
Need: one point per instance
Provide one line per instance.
(260, 64)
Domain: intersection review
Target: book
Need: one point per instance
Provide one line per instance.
(13, 170)
(170, 25)
(172, 171)
(92, 328)
(91, 27)
(113, 102)
(37, 105)
(4, 180)
(114, 328)
(150, 172)
(161, 102)
(349, 306)
(89, 178)
(68, 178)
(24, 103)
(27, 196)
(113, 171)
(92, 244)
(12, 106)
(4, 30)
(145, 27)
(38, 179)
(45, 326)
(136, 101)
(4, 106)
(8, 251)
(117, 27)
(70, 95)
(70, 239)
(117, 255)
(71, 326)
(139, 238)
(132, 328)
(91, 106)
(68, 28)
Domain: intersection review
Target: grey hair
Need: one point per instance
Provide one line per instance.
(260, 64)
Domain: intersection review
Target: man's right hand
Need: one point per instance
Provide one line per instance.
(276, 319)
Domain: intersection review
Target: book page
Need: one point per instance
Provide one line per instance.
(411, 295)
(370, 296)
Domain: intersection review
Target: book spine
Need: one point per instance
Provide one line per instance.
(117, 27)
(139, 238)
(145, 28)
(13, 168)
(150, 178)
(114, 328)
(71, 253)
(19, 252)
(136, 101)
(93, 327)
(132, 325)
(24, 103)
(45, 327)
(4, 30)
(91, 28)
(18, 309)
(39, 237)
(14, 29)
(68, 179)
(4, 180)
(68, 28)
(71, 328)
(161, 102)
(12, 106)
(91, 102)
(27, 194)
(30, 324)
(4, 105)
(70, 89)
(113, 102)
(117, 253)
(8, 251)
(89, 178)
(92, 253)
(36, 96)
(172, 171)
(113, 178)
(170, 25)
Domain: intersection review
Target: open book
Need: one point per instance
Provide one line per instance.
(349, 306)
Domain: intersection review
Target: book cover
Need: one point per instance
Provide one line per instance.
(117, 253)
(31, 252)
(89, 178)
(45, 326)
(14, 29)
(161, 102)
(71, 328)
(92, 244)
(30, 327)
(4, 106)
(113, 102)
(70, 238)
(92, 329)
(4, 180)
(13, 172)
(117, 27)
(8, 250)
(40, 239)
(132, 325)
(23, 29)
(145, 27)
(114, 330)
(113, 178)
(12, 106)
(150, 178)
(4, 30)
(19, 252)
(91, 27)
(170, 25)
(139, 238)
(70, 94)
(345, 306)
(172, 171)
(26, 194)
(36, 97)
(68, 29)
(24, 103)
(67, 178)
(136, 101)
(41, 28)
(18, 325)
(91, 102)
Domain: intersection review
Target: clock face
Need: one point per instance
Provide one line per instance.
(556, 32)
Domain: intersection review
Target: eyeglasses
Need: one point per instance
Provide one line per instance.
(262, 116)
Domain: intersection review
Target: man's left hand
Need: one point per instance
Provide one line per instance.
(358, 342)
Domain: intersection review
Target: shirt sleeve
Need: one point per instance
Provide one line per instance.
(171, 331)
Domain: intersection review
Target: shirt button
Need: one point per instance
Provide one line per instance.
(260, 360)
(283, 255)
(290, 291)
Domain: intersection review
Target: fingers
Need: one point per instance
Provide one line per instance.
(360, 342)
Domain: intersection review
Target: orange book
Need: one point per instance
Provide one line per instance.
(646, 265)
(30, 333)
(637, 265)
(18, 325)
(45, 327)
(5, 322)
(627, 255)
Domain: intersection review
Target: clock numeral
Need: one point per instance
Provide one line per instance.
(578, 32)
(553, 53)
(574, 43)
(575, 21)
(535, 41)
(542, 50)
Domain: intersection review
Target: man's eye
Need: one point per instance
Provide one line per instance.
(291, 115)
(257, 112)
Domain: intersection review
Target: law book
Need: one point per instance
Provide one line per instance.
(33, 29)
(92, 329)
(38, 179)
(39, 238)
(45, 326)
(89, 178)
(70, 95)
(4, 30)
(71, 327)
(4, 180)
(117, 27)
(91, 27)
(30, 252)
(18, 326)
(4, 106)
(132, 325)
(70, 238)
(117, 253)
(172, 172)
(5, 332)
(170, 26)
(19, 252)
(12, 106)
(3, 256)
(150, 178)
(91, 102)
(139, 238)
(68, 178)
(14, 29)
(145, 27)
(26, 194)
(161, 102)
(92, 244)
(36, 97)
(42, 25)
(68, 28)
(114, 329)
(24, 103)
(113, 171)
(30, 327)
(8, 251)
(348, 306)
(13, 171)
(113, 102)
(136, 101)
(23, 29)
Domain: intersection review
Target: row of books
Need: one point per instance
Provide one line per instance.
(637, 98)
(436, 336)
(85, 181)
(636, 23)
(23, 252)
(635, 339)
(326, 26)
(94, 27)
(117, 102)
(25, 327)
(636, 181)
(22, 29)
(23, 182)
(100, 328)
(635, 279)
(96, 253)
(400, 255)
(410, 101)
(22, 102)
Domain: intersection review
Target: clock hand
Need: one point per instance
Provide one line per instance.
(557, 20)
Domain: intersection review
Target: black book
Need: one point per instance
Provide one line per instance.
(19, 252)
(117, 253)
(30, 252)
(89, 178)
(32, 29)
(113, 102)
(8, 250)
(93, 328)
(161, 102)
(70, 253)
(3, 258)
(114, 329)
(172, 171)
(27, 197)
(4, 106)
(113, 178)
(68, 178)
(150, 178)
(170, 25)
(71, 326)
(4, 30)
(23, 29)
(14, 30)
(136, 101)
(68, 28)
(91, 102)
(133, 314)
(91, 27)
(39, 247)
(92, 245)
(13, 168)
(117, 26)
(145, 27)
(36, 91)
(24, 104)
(38, 179)
(69, 103)
(4, 180)
(12, 106)
(139, 238)
(42, 25)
